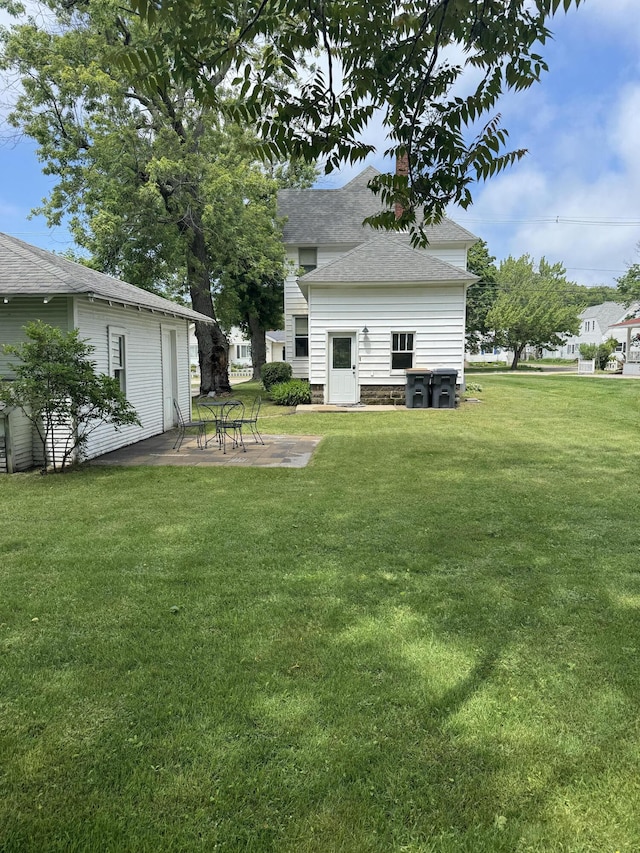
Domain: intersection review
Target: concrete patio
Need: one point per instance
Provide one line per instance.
(278, 451)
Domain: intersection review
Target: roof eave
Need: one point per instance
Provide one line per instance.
(92, 295)
(187, 314)
(465, 281)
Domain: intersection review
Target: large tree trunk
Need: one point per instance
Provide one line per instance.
(212, 344)
(517, 352)
(258, 344)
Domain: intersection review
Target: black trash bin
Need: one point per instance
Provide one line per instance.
(443, 388)
(418, 388)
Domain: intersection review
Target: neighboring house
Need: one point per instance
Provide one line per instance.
(239, 349)
(239, 354)
(138, 337)
(489, 355)
(275, 345)
(240, 362)
(595, 323)
(368, 305)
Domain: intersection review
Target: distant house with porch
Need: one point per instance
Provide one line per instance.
(597, 324)
(630, 329)
(140, 338)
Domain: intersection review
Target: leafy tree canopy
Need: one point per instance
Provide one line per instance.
(157, 187)
(595, 295)
(434, 68)
(629, 285)
(533, 307)
(481, 295)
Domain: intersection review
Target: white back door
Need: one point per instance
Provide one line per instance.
(343, 384)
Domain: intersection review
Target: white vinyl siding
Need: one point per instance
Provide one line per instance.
(16, 442)
(143, 363)
(435, 314)
(295, 304)
(19, 311)
(457, 257)
(142, 330)
(117, 356)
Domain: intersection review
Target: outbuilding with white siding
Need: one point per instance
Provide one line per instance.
(361, 308)
(141, 338)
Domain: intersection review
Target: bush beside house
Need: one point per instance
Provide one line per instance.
(274, 373)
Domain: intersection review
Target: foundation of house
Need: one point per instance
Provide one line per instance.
(382, 395)
(370, 395)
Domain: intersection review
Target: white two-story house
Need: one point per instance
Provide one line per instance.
(362, 306)
(596, 324)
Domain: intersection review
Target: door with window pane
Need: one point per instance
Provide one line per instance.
(343, 385)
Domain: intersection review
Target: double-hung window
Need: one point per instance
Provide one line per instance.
(243, 351)
(401, 350)
(308, 258)
(117, 356)
(301, 337)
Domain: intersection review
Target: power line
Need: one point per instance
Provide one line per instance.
(554, 220)
(595, 269)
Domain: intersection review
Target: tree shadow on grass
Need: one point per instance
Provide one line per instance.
(442, 664)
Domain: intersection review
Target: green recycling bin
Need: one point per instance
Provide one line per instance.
(443, 388)
(418, 388)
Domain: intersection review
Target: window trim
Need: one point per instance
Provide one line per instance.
(301, 337)
(311, 263)
(402, 350)
(118, 370)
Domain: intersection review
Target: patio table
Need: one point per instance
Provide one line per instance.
(215, 406)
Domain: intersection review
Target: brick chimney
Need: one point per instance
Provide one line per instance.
(402, 169)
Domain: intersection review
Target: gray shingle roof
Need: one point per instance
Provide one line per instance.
(606, 314)
(389, 259)
(361, 180)
(27, 270)
(323, 217)
(276, 335)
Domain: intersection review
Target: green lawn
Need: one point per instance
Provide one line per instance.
(427, 640)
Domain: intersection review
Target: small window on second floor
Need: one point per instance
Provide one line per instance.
(308, 258)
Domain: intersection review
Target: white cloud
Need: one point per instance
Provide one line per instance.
(536, 200)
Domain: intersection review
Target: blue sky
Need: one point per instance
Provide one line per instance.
(575, 198)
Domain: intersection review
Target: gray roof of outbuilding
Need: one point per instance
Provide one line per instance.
(323, 217)
(27, 270)
(276, 335)
(387, 259)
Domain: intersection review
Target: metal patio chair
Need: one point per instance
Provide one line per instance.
(252, 420)
(229, 425)
(184, 425)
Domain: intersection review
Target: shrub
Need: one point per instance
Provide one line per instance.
(601, 352)
(56, 386)
(274, 372)
(293, 393)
